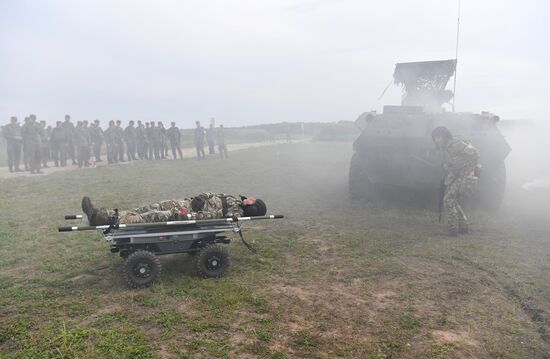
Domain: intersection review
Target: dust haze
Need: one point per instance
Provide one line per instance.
(360, 266)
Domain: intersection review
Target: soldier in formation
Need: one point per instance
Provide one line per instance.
(38, 143)
(32, 144)
(211, 139)
(58, 144)
(199, 141)
(69, 129)
(14, 142)
(174, 136)
(97, 138)
(220, 138)
(130, 137)
(460, 161)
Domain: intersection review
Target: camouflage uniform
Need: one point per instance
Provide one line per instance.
(32, 142)
(58, 144)
(216, 205)
(119, 141)
(199, 141)
(174, 135)
(69, 131)
(12, 133)
(460, 159)
(130, 137)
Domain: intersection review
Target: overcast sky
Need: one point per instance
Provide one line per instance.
(248, 62)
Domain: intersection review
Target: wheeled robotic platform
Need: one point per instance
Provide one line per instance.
(140, 244)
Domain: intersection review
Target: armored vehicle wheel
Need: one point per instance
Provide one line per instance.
(212, 261)
(141, 269)
(360, 186)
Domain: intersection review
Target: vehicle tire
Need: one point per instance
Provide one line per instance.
(359, 185)
(141, 269)
(212, 261)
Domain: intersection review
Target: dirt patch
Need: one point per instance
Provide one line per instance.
(111, 308)
(447, 337)
(81, 278)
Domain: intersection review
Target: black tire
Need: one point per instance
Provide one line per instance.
(212, 261)
(141, 269)
(359, 185)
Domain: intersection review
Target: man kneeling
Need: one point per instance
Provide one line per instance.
(206, 205)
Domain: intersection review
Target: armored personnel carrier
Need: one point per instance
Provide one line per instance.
(395, 149)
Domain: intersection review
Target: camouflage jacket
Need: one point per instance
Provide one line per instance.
(219, 205)
(460, 158)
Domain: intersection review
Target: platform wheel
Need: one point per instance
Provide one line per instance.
(141, 269)
(212, 261)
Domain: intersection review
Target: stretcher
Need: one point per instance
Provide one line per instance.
(140, 244)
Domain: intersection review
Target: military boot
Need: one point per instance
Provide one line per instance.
(96, 217)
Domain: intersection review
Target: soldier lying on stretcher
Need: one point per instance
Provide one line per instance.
(206, 205)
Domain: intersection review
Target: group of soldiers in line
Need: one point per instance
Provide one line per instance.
(39, 143)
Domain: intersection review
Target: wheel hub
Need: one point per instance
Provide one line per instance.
(213, 263)
(142, 270)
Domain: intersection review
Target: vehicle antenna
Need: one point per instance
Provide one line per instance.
(456, 55)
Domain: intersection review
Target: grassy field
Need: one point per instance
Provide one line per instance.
(334, 279)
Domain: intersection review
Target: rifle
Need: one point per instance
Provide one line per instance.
(441, 193)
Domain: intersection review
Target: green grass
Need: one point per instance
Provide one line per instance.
(335, 278)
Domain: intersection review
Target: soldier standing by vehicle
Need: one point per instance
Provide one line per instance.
(58, 145)
(141, 141)
(97, 138)
(130, 137)
(220, 137)
(14, 140)
(69, 128)
(33, 143)
(460, 162)
(211, 139)
(162, 140)
(174, 136)
(199, 141)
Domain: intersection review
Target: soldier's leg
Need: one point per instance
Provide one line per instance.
(463, 225)
(450, 202)
(35, 159)
(173, 147)
(147, 217)
(79, 156)
(198, 152)
(55, 155)
(121, 152)
(11, 160)
(16, 155)
(26, 156)
(71, 152)
(179, 151)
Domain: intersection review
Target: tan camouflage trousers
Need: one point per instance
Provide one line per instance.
(169, 210)
(455, 217)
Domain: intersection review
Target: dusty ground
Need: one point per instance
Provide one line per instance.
(335, 279)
